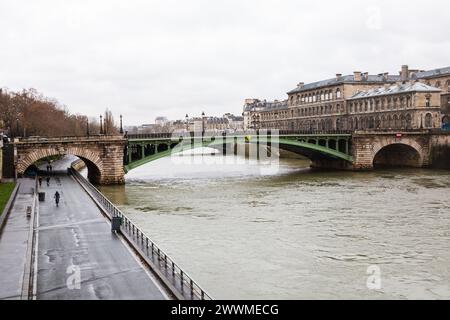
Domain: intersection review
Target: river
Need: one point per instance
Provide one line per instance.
(294, 233)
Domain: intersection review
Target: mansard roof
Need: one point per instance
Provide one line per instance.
(432, 73)
(397, 88)
(266, 105)
(346, 79)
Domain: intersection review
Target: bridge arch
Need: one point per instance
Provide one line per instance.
(92, 159)
(398, 154)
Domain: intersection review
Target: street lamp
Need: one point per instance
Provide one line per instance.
(121, 126)
(187, 123)
(203, 124)
(101, 124)
(87, 126)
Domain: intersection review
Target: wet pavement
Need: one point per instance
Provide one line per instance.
(14, 243)
(79, 257)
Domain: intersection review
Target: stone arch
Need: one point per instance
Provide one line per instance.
(407, 153)
(90, 158)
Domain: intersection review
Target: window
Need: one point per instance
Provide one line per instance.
(338, 94)
(427, 102)
(428, 120)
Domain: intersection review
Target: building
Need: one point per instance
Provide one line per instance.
(357, 102)
(161, 121)
(254, 109)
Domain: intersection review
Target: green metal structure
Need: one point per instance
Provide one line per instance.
(144, 148)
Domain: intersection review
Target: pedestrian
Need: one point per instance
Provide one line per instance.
(48, 168)
(51, 168)
(40, 181)
(48, 181)
(57, 196)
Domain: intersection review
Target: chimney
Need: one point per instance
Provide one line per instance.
(404, 73)
(366, 76)
(300, 85)
(338, 76)
(357, 75)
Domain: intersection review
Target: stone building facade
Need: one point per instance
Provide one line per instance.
(357, 102)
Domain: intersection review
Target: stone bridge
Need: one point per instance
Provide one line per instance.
(109, 157)
(103, 155)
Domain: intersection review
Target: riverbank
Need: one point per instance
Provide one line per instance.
(6, 190)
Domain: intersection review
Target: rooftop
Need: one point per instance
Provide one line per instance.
(397, 88)
(432, 73)
(266, 105)
(346, 79)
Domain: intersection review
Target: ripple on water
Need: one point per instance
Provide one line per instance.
(319, 228)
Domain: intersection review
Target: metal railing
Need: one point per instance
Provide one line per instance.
(178, 281)
(69, 138)
(236, 133)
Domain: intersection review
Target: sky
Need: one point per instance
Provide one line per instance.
(152, 58)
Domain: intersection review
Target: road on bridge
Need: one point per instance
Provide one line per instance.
(75, 238)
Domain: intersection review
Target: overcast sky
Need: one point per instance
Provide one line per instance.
(168, 58)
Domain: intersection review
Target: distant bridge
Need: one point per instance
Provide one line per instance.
(109, 157)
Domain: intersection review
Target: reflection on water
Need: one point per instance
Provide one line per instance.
(296, 233)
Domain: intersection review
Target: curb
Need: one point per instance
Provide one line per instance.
(9, 206)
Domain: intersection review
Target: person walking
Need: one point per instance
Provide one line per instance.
(40, 181)
(48, 181)
(57, 196)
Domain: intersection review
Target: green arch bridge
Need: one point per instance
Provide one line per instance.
(144, 148)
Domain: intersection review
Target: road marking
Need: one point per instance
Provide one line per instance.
(71, 224)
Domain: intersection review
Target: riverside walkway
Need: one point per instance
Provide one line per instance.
(76, 254)
(14, 243)
(75, 239)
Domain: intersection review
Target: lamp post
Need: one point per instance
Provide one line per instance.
(187, 123)
(18, 129)
(87, 127)
(121, 126)
(101, 124)
(203, 124)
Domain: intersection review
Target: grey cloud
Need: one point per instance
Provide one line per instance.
(151, 58)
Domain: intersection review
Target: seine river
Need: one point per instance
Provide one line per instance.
(243, 232)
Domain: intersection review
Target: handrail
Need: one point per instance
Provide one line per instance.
(237, 133)
(68, 138)
(180, 280)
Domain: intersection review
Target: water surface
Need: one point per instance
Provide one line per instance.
(296, 233)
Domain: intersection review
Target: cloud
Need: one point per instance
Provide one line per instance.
(149, 58)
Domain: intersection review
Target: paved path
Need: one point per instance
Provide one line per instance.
(75, 236)
(14, 243)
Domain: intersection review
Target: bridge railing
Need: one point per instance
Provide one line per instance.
(180, 283)
(253, 132)
(69, 138)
